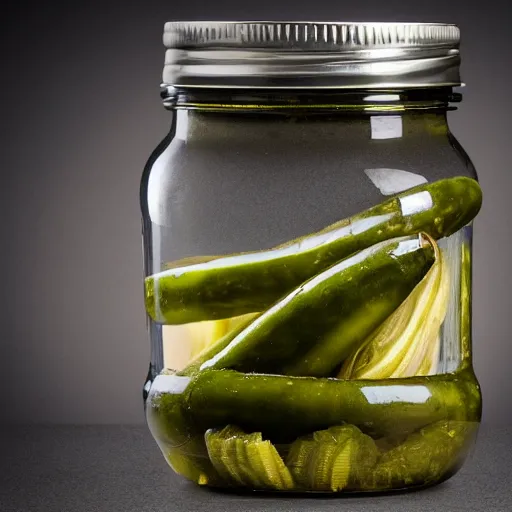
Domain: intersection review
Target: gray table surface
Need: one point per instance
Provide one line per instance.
(109, 468)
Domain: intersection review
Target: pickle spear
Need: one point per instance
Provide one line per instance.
(312, 329)
(213, 287)
(288, 407)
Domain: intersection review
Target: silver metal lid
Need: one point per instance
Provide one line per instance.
(311, 55)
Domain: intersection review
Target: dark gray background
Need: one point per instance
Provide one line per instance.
(80, 115)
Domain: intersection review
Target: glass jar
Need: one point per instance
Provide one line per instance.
(307, 250)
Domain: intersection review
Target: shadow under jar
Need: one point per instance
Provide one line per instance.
(307, 253)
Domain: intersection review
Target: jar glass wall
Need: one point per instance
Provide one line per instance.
(308, 289)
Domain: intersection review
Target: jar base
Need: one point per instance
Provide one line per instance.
(241, 491)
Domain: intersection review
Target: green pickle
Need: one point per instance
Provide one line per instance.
(391, 408)
(465, 305)
(248, 459)
(228, 286)
(315, 327)
(426, 456)
(287, 407)
(331, 382)
(332, 459)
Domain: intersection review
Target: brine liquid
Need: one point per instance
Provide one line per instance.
(385, 451)
(175, 345)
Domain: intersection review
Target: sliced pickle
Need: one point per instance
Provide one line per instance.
(426, 456)
(247, 459)
(332, 459)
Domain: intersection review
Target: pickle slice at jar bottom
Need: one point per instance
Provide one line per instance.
(332, 459)
(426, 456)
(247, 460)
